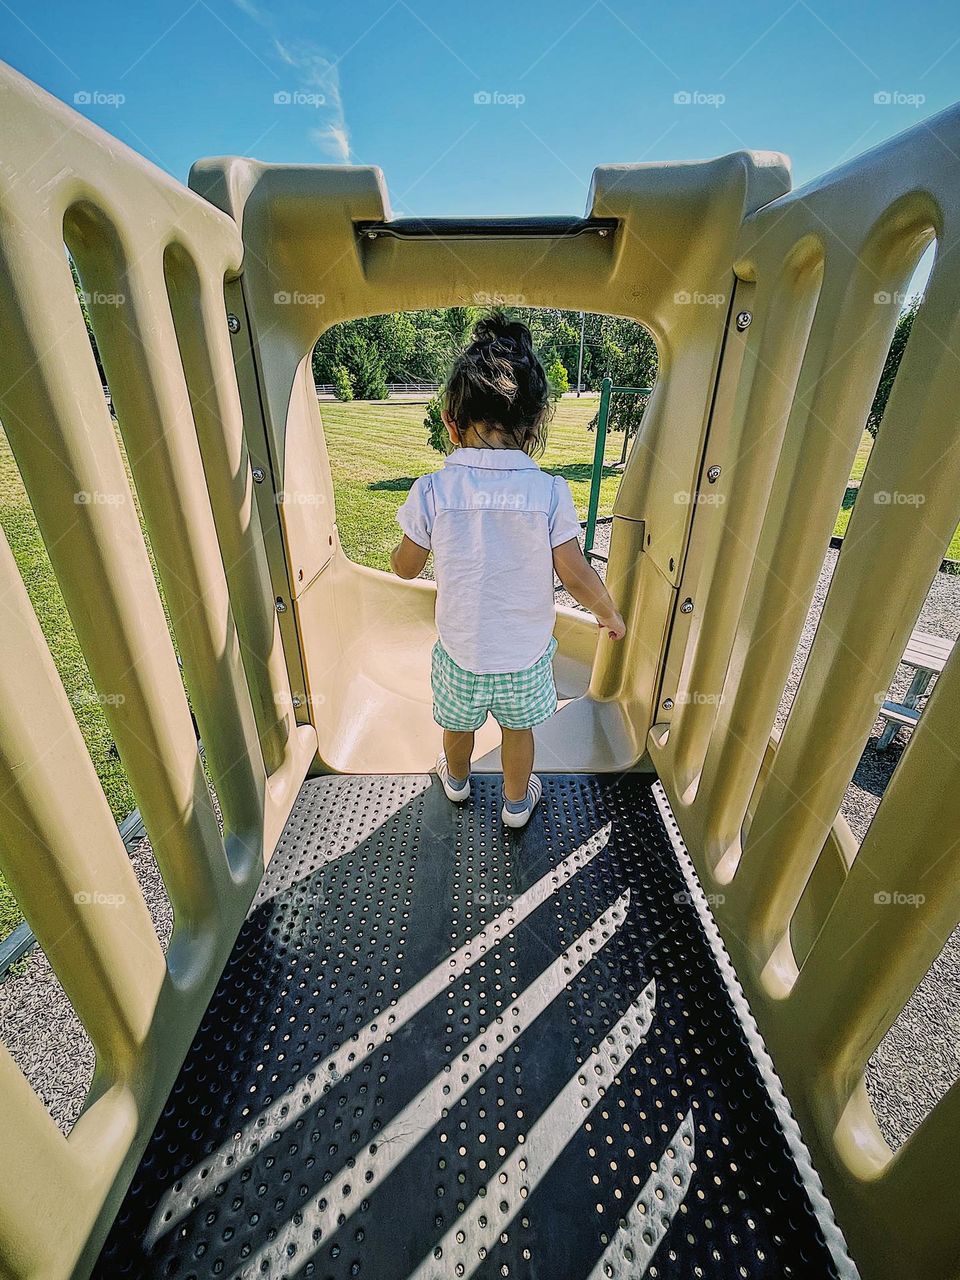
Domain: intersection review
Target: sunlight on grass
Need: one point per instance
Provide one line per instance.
(378, 450)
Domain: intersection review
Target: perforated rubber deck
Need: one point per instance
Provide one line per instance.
(441, 1049)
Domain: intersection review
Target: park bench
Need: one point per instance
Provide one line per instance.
(928, 655)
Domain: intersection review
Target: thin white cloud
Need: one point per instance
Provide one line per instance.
(320, 76)
(333, 141)
(317, 76)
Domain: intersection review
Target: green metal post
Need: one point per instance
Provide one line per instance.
(597, 475)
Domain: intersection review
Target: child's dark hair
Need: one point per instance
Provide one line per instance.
(498, 381)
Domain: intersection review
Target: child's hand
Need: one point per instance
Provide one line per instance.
(613, 625)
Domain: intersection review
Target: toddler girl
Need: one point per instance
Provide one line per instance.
(498, 528)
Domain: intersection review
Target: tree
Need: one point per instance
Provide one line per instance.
(558, 380)
(891, 365)
(419, 346)
(437, 437)
(342, 383)
(363, 363)
(631, 359)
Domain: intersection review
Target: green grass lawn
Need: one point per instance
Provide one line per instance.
(856, 475)
(20, 528)
(376, 452)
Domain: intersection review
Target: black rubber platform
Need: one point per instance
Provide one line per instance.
(440, 1049)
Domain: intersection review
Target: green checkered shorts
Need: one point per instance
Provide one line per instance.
(462, 700)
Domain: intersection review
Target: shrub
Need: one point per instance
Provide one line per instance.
(437, 437)
(342, 382)
(558, 379)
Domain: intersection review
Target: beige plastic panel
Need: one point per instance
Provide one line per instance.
(821, 271)
(366, 636)
(153, 258)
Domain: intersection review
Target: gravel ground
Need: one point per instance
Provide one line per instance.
(914, 1066)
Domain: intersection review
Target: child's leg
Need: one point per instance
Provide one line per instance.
(458, 748)
(516, 754)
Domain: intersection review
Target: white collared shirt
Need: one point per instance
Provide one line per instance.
(491, 518)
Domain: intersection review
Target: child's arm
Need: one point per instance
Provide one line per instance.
(583, 583)
(407, 558)
(415, 518)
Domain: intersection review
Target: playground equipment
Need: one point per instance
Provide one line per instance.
(433, 1049)
(599, 449)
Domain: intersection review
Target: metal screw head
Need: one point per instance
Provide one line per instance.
(259, 475)
(687, 606)
(713, 474)
(743, 320)
(233, 322)
(371, 235)
(281, 607)
(667, 704)
(297, 700)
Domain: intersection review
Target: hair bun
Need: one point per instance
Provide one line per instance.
(496, 327)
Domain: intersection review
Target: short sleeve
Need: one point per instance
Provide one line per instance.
(564, 524)
(415, 516)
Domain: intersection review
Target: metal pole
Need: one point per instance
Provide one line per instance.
(583, 320)
(597, 473)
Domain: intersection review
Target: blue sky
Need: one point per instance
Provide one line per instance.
(573, 84)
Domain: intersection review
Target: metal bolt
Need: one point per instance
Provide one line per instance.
(603, 231)
(281, 607)
(713, 474)
(259, 475)
(743, 320)
(687, 606)
(371, 235)
(297, 700)
(667, 704)
(233, 322)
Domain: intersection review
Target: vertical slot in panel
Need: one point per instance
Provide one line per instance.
(891, 549)
(60, 850)
(199, 319)
(823, 432)
(756, 409)
(57, 423)
(139, 350)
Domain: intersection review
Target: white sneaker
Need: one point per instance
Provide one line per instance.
(456, 794)
(534, 792)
